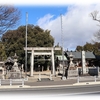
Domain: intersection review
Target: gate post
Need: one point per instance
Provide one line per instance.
(53, 63)
(10, 82)
(32, 63)
(0, 82)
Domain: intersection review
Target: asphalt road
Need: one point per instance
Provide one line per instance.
(50, 83)
(55, 91)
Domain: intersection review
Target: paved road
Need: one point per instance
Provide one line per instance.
(61, 91)
(55, 91)
(47, 83)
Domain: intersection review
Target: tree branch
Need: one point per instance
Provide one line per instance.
(9, 17)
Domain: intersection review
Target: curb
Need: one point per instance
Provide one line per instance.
(50, 86)
(87, 83)
(15, 86)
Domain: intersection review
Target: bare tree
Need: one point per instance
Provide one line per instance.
(9, 17)
(95, 17)
(96, 37)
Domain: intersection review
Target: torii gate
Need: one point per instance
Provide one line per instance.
(33, 53)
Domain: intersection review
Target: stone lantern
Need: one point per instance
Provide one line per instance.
(15, 71)
(72, 71)
(15, 66)
(71, 64)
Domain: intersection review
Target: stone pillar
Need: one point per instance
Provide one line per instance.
(32, 63)
(22, 70)
(3, 73)
(53, 64)
(83, 63)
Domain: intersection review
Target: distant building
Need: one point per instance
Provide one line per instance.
(60, 59)
(60, 62)
(91, 58)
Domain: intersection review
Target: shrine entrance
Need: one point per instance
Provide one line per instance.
(42, 51)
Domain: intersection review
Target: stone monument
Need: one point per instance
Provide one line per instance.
(83, 63)
(15, 72)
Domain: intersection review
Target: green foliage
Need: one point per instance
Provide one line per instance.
(58, 52)
(2, 52)
(14, 40)
(90, 47)
(79, 48)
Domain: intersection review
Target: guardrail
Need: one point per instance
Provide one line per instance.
(11, 81)
(40, 77)
(88, 79)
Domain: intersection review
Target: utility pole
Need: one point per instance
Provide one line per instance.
(63, 77)
(26, 44)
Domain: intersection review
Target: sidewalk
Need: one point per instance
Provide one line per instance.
(48, 84)
(56, 81)
(43, 75)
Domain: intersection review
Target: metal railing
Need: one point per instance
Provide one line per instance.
(88, 79)
(49, 76)
(11, 81)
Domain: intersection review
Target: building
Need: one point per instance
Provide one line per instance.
(90, 58)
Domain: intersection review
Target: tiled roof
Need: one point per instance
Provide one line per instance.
(77, 54)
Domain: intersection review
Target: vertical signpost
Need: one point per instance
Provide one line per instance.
(83, 63)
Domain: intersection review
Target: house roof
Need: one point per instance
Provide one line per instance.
(77, 54)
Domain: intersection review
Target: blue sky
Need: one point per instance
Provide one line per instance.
(36, 12)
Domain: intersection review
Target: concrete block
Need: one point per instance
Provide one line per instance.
(72, 73)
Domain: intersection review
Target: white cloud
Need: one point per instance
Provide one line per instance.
(46, 19)
(78, 26)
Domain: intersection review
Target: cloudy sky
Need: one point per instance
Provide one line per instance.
(77, 25)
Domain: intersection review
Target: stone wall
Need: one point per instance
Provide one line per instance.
(73, 73)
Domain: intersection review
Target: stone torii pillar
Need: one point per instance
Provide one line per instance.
(33, 53)
(53, 64)
(32, 63)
